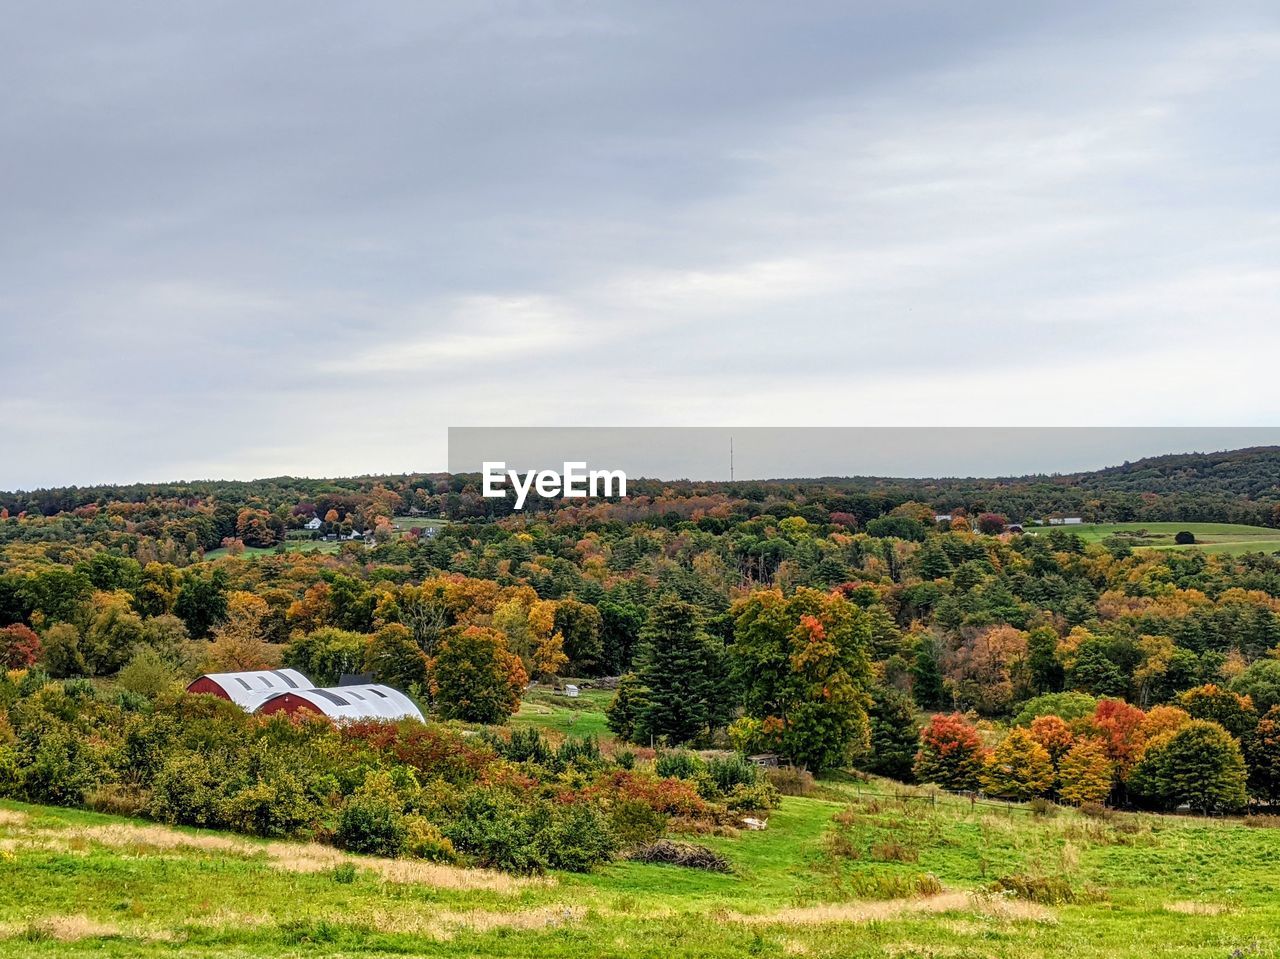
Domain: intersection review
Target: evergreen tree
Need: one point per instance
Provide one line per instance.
(681, 673)
(1042, 661)
(926, 675)
(895, 734)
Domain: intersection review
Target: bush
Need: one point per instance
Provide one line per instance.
(575, 836)
(116, 799)
(724, 774)
(791, 780)
(1047, 890)
(1184, 537)
(635, 823)
(146, 674)
(423, 840)
(188, 791)
(679, 764)
(372, 820)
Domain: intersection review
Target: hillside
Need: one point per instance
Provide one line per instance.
(829, 876)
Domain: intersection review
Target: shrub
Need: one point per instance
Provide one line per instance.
(791, 780)
(372, 819)
(146, 674)
(117, 799)
(635, 823)
(1184, 537)
(344, 873)
(951, 754)
(188, 791)
(423, 840)
(679, 764)
(744, 797)
(526, 745)
(276, 805)
(1200, 765)
(1047, 890)
(724, 774)
(576, 836)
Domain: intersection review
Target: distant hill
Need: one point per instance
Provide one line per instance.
(1234, 486)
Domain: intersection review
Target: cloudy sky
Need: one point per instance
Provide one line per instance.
(243, 239)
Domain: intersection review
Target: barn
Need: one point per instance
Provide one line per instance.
(365, 701)
(248, 689)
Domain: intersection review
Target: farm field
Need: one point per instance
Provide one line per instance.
(858, 869)
(1228, 538)
(551, 711)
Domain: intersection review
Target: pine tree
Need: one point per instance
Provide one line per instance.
(926, 675)
(894, 734)
(681, 673)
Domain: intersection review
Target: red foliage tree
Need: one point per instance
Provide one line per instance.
(951, 754)
(19, 647)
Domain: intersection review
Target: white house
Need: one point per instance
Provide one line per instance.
(1065, 521)
(314, 523)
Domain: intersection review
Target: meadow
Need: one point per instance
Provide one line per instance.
(1230, 538)
(856, 869)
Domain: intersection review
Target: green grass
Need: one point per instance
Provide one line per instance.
(1229, 538)
(78, 884)
(291, 545)
(583, 716)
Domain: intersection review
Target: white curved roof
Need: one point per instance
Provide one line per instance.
(369, 701)
(249, 690)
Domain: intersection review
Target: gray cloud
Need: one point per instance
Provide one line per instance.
(243, 239)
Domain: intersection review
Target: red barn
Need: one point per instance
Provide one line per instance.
(248, 690)
(368, 701)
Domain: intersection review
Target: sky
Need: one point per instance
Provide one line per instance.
(243, 239)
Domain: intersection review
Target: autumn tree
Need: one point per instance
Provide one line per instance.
(987, 671)
(950, 754)
(19, 647)
(474, 677)
(1085, 773)
(1054, 734)
(1264, 758)
(803, 666)
(238, 642)
(393, 658)
(1019, 768)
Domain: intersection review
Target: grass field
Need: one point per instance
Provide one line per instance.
(829, 877)
(583, 716)
(1210, 537)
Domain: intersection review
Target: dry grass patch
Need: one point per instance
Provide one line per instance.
(1188, 907)
(12, 817)
(997, 907)
(444, 924)
(70, 928)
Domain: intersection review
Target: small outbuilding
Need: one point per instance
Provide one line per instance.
(249, 690)
(369, 701)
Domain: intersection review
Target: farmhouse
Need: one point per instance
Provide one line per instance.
(367, 701)
(314, 523)
(248, 690)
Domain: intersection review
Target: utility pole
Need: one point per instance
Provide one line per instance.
(730, 459)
